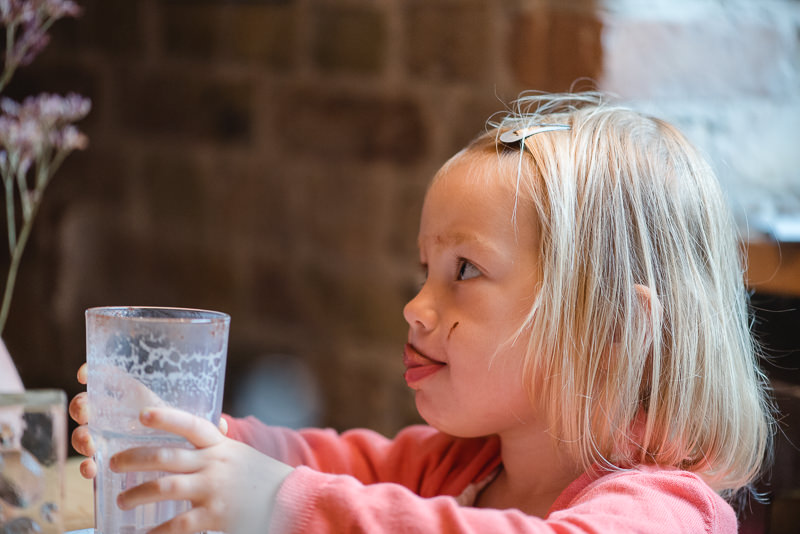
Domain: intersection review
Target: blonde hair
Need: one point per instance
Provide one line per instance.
(639, 336)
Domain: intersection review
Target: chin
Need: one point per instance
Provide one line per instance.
(445, 424)
(426, 412)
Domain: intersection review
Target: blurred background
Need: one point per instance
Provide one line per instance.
(268, 159)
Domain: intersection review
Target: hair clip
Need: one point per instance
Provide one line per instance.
(513, 136)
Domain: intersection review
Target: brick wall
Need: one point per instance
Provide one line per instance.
(269, 159)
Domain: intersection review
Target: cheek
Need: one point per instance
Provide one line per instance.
(482, 309)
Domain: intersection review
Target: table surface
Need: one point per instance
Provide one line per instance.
(78, 498)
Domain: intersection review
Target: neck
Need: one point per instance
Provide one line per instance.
(534, 473)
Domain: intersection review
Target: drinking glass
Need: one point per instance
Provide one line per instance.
(140, 357)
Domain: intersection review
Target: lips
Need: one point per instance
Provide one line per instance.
(418, 366)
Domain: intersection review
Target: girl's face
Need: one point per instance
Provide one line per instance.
(482, 274)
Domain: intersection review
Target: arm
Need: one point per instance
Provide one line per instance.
(237, 489)
(625, 502)
(420, 458)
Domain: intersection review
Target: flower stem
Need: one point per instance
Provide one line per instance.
(16, 256)
(10, 215)
(10, 65)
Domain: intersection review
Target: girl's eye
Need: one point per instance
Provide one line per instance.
(467, 270)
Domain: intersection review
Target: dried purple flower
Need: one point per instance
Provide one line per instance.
(37, 134)
(41, 124)
(61, 8)
(27, 23)
(69, 138)
(19, 11)
(13, 11)
(49, 109)
(34, 39)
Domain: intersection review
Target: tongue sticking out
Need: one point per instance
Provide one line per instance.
(418, 366)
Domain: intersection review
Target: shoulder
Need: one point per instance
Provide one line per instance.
(658, 499)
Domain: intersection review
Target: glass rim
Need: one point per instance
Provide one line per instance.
(33, 397)
(160, 314)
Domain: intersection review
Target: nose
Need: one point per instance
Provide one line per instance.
(419, 312)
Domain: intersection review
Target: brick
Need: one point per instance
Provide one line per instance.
(158, 268)
(356, 305)
(256, 200)
(272, 294)
(266, 34)
(447, 41)
(551, 48)
(470, 119)
(191, 30)
(60, 76)
(173, 186)
(193, 108)
(406, 210)
(223, 201)
(232, 2)
(262, 33)
(98, 176)
(349, 39)
(341, 209)
(115, 28)
(344, 126)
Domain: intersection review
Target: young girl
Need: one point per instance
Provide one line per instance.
(580, 349)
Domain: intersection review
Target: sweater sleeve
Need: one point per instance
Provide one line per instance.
(420, 458)
(629, 502)
(361, 482)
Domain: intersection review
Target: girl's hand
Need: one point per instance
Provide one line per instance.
(81, 440)
(232, 487)
(79, 411)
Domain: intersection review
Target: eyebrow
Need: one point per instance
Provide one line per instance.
(459, 238)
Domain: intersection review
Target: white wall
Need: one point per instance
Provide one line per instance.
(728, 74)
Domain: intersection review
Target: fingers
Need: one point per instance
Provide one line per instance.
(82, 441)
(168, 488)
(88, 468)
(198, 431)
(83, 373)
(168, 459)
(195, 520)
(79, 408)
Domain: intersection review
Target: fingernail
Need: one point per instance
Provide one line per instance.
(112, 463)
(146, 416)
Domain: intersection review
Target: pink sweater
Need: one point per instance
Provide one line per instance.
(425, 481)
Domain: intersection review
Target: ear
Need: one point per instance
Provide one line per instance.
(649, 310)
(647, 313)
